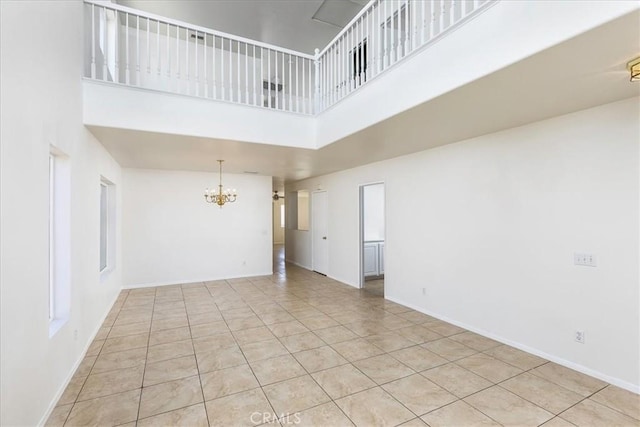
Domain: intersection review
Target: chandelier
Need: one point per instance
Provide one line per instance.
(218, 196)
(634, 67)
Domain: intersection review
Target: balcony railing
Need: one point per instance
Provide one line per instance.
(381, 35)
(134, 48)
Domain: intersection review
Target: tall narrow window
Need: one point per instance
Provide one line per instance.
(107, 227)
(59, 240)
(104, 225)
(52, 251)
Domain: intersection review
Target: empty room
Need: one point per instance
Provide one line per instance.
(320, 213)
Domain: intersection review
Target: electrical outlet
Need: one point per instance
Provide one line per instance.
(587, 260)
(75, 334)
(579, 336)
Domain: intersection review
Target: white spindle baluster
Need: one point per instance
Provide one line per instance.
(358, 52)
(222, 80)
(310, 89)
(476, 3)
(442, 15)
(159, 59)
(178, 59)
(399, 33)
(387, 42)
(269, 77)
(337, 85)
(349, 35)
(103, 18)
(238, 74)
(432, 25)
(452, 13)
(126, 66)
(187, 76)
(253, 74)
(407, 28)
(302, 94)
(297, 86)
(168, 55)
(327, 77)
(275, 80)
(148, 46)
(93, 41)
(231, 70)
(289, 88)
(197, 69)
(206, 75)
(413, 5)
(262, 77)
(246, 73)
(116, 78)
(367, 62)
(213, 67)
(138, 50)
(423, 8)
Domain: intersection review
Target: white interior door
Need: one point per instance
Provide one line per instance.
(319, 231)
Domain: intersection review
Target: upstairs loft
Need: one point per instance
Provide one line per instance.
(399, 78)
(135, 48)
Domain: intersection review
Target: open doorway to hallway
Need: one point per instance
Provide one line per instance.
(372, 238)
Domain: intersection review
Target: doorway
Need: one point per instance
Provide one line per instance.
(319, 232)
(372, 238)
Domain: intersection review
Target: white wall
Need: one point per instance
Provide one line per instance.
(171, 235)
(489, 226)
(146, 110)
(373, 212)
(41, 104)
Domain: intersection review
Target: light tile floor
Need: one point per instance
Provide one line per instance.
(297, 348)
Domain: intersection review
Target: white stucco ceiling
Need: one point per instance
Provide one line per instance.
(283, 23)
(583, 72)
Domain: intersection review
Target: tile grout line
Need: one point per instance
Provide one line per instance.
(144, 369)
(195, 357)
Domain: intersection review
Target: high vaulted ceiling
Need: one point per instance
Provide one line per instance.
(580, 73)
(300, 25)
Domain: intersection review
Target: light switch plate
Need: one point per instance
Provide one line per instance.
(587, 260)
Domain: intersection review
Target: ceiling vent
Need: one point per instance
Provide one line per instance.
(337, 13)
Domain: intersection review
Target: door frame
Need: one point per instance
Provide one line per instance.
(361, 225)
(312, 230)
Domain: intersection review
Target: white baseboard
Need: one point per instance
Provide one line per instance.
(634, 388)
(306, 267)
(66, 382)
(187, 281)
(346, 282)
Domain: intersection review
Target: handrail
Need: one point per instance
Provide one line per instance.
(347, 27)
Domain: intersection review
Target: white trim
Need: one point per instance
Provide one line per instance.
(306, 267)
(560, 361)
(192, 281)
(66, 382)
